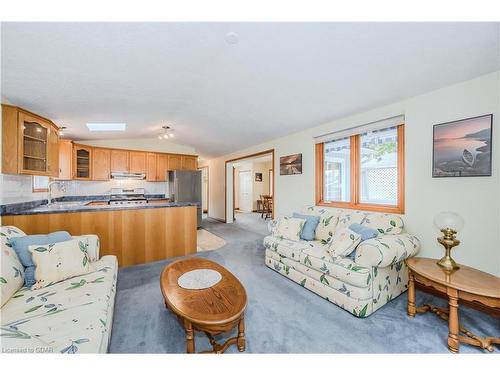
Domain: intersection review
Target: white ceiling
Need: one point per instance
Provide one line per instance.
(220, 97)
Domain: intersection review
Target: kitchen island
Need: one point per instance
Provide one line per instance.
(136, 234)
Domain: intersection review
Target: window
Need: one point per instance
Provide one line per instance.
(363, 171)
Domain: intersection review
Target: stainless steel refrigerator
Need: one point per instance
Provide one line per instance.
(185, 186)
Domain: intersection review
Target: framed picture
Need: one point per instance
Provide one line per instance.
(291, 164)
(258, 177)
(462, 148)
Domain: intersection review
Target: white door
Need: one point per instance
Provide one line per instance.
(246, 191)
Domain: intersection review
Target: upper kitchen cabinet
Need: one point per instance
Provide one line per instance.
(82, 162)
(30, 143)
(137, 162)
(65, 158)
(101, 164)
(162, 167)
(151, 167)
(189, 162)
(119, 161)
(174, 162)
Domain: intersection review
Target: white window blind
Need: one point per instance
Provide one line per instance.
(381, 124)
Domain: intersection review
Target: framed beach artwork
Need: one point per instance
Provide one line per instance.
(291, 164)
(462, 148)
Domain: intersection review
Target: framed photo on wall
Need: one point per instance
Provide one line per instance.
(462, 148)
(258, 177)
(291, 164)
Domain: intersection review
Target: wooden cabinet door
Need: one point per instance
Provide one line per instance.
(137, 162)
(174, 162)
(151, 170)
(189, 163)
(53, 152)
(33, 146)
(82, 162)
(65, 159)
(119, 160)
(101, 159)
(162, 167)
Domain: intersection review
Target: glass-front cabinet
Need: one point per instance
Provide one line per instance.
(30, 143)
(82, 162)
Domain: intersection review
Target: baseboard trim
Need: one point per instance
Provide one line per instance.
(217, 219)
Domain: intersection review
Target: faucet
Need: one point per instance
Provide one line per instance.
(49, 189)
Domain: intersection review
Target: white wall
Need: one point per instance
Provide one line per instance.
(142, 144)
(477, 199)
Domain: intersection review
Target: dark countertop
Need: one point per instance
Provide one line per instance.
(79, 204)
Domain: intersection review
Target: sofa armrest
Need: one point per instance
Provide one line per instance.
(93, 248)
(386, 250)
(271, 226)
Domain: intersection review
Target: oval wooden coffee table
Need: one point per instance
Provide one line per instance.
(213, 310)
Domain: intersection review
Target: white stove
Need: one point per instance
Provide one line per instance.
(128, 197)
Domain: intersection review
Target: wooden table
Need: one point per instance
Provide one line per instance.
(213, 310)
(465, 284)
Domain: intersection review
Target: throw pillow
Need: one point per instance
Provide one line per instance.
(290, 228)
(326, 228)
(309, 230)
(344, 241)
(21, 245)
(11, 274)
(365, 232)
(59, 261)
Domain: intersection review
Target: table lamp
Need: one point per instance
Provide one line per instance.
(449, 223)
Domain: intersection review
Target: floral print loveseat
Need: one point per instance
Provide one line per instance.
(71, 316)
(360, 284)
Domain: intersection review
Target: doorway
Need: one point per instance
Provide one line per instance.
(252, 180)
(204, 190)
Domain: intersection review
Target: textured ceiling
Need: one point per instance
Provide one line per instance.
(219, 97)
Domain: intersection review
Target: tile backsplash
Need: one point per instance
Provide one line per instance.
(18, 188)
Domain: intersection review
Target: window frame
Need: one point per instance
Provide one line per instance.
(355, 181)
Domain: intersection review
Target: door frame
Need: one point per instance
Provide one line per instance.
(266, 152)
(250, 172)
(208, 188)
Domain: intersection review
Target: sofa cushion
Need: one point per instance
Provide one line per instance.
(11, 269)
(343, 243)
(309, 229)
(71, 316)
(383, 223)
(366, 233)
(59, 261)
(287, 248)
(343, 269)
(290, 228)
(21, 246)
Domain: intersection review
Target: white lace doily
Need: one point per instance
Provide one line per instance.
(199, 279)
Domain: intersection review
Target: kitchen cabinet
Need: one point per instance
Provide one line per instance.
(65, 158)
(101, 164)
(151, 167)
(30, 143)
(82, 162)
(137, 162)
(174, 162)
(189, 162)
(162, 167)
(119, 161)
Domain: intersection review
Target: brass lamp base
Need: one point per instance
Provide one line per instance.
(448, 241)
(447, 263)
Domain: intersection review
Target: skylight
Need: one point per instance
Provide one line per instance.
(106, 126)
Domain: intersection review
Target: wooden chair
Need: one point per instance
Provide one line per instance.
(267, 207)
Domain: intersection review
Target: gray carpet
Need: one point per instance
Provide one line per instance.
(282, 317)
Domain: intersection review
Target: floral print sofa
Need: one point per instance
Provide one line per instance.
(360, 284)
(71, 316)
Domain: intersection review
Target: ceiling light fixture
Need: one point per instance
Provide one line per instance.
(166, 133)
(232, 38)
(61, 131)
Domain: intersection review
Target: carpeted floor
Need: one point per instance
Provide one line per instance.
(282, 317)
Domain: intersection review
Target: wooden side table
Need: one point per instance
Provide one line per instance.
(464, 284)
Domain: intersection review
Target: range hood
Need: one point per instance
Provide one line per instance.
(128, 176)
